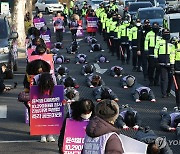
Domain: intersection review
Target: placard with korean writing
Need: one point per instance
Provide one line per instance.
(74, 136)
(46, 36)
(92, 24)
(46, 112)
(38, 22)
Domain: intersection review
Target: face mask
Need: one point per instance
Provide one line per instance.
(138, 24)
(166, 36)
(155, 29)
(86, 116)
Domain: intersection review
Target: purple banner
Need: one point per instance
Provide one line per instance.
(80, 32)
(46, 36)
(74, 136)
(46, 112)
(38, 22)
(92, 24)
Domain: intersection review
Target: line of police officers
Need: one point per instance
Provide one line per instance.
(155, 54)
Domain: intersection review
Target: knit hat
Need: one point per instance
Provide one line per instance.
(107, 110)
(130, 81)
(102, 59)
(81, 59)
(59, 60)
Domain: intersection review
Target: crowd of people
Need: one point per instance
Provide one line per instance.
(152, 52)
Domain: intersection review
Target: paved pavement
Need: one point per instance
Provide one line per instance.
(14, 133)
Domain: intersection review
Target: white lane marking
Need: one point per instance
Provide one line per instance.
(99, 70)
(3, 111)
(19, 74)
(173, 93)
(23, 141)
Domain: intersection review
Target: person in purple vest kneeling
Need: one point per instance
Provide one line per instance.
(100, 132)
(170, 121)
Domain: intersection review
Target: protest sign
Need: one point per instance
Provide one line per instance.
(46, 57)
(74, 140)
(38, 22)
(80, 32)
(132, 146)
(92, 24)
(46, 112)
(46, 36)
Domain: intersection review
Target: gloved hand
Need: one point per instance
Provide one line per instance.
(136, 127)
(125, 127)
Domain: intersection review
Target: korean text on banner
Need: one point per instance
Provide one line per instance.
(38, 22)
(74, 140)
(92, 24)
(46, 112)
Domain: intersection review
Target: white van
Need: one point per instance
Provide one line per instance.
(173, 5)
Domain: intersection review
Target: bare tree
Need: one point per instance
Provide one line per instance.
(18, 20)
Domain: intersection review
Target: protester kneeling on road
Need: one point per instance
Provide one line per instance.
(104, 92)
(95, 47)
(81, 59)
(57, 47)
(101, 59)
(87, 69)
(127, 81)
(60, 59)
(80, 110)
(70, 95)
(116, 71)
(101, 128)
(170, 121)
(61, 72)
(128, 117)
(94, 81)
(73, 48)
(40, 50)
(148, 136)
(142, 93)
(68, 81)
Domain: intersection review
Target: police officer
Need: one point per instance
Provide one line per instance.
(134, 38)
(146, 29)
(175, 68)
(149, 45)
(84, 12)
(123, 34)
(164, 52)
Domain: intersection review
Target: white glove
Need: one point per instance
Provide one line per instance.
(136, 127)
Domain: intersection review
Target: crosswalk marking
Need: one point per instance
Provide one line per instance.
(3, 111)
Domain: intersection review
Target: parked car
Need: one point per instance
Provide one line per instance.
(156, 3)
(49, 6)
(172, 22)
(154, 14)
(8, 47)
(134, 6)
(95, 3)
(173, 6)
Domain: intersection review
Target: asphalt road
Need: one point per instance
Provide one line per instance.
(14, 133)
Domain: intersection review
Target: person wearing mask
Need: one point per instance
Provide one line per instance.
(148, 136)
(84, 12)
(151, 40)
(123, 34)
(170, 121)
(73, 26)
(175, 68)
(140, 93)
(135, 41)
(59, 26)
(80, 110)
(101, 128)
(128, 118)
(104, 92)
(127, 81)
(146, 29)
(87, 69)
(164, 52)
(77, 11)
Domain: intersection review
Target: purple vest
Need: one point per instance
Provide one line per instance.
(173, 116)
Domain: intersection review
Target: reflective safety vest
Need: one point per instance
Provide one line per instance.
(164, 52)
(133, 33)
(65, 11)
(71, 4)
(97, 145)
(108, 22)
(123, 30)
(176, 58)
(113, 25)
(84, 12)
